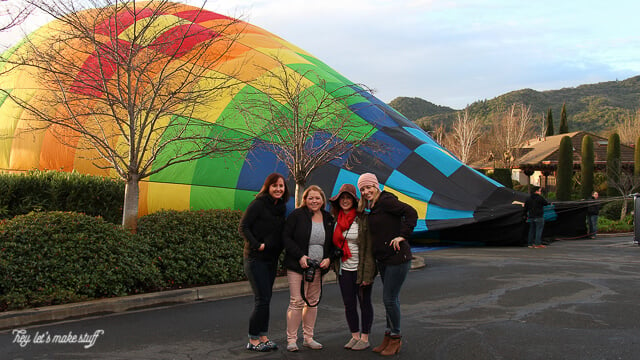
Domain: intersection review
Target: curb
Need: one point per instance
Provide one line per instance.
(47, 314)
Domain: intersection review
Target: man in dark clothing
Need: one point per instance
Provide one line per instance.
(534, 210)
(592, 214)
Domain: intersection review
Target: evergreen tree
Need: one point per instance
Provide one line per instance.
(636, 161)
(564, 125)
(565, 169)
(586, 168)
(549, 131)
(613, 164)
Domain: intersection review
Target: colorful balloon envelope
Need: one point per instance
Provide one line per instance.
(447, 194)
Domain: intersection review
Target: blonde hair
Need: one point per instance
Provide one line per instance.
(305, 194)
(362, 204)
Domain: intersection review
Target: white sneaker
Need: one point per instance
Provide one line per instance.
(293, 347)
(312, 344)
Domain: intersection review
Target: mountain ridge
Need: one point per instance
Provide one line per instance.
(590, 107)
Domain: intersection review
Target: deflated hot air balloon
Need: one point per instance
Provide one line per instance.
(453, 201)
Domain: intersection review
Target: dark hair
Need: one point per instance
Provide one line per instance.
(270, 180)
(335, 205)
(533, 189)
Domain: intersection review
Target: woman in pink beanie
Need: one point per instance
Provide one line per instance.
(390, 223)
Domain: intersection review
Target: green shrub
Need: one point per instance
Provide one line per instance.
(61, 191)
(615, 226)
(195, 247)
(57, 257)
(611, 210)
(503, 176)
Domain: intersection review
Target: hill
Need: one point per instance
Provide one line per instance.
(591, 107)
(416, 108)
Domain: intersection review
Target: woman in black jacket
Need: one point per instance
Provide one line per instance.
(391, 223)
(307, 239)
(261, 227)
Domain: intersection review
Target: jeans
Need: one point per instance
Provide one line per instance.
(593, 224)
(536, 225)
(352, 294)
(393, 277)
(261, 275)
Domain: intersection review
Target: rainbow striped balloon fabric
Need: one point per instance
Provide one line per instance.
(447, 194)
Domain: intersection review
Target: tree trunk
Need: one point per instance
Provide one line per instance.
(130, 208)
(623, 210)
(299, 193)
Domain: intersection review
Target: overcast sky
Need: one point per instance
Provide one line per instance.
(455, 52)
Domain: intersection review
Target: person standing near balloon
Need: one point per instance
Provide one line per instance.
(307, 239)
(261, 227)
(356, 268)
(391, 223)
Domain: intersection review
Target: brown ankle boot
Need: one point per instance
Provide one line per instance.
(384, 344)
(395, 342)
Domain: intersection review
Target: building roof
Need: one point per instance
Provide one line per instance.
(544, 151)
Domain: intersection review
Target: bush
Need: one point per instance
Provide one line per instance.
(503, 176)
(61, 191)
(615, 226)
(611, 210)
(195, 247)
(55, 257)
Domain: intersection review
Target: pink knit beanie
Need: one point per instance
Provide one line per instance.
(368, 179)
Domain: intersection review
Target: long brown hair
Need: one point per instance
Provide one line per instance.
(270, 180)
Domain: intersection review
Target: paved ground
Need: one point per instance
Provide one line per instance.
(573, 300)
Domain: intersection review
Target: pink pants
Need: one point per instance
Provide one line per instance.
(298, 309)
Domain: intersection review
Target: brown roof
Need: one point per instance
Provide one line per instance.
(544, 151)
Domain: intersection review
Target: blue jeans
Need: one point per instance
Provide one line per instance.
(261, 275)
(536, 225)
(593, 224)
(393, 277)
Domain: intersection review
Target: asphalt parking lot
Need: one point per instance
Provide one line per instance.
(576, 299)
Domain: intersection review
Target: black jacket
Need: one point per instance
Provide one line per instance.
(594, 206)
(263, 222)
(297, 231)
(534, 206)
(388, 219)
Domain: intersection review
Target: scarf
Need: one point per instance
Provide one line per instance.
(344, 223)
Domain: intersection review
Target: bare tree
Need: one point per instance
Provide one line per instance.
(439, 134)
(129, 84)
(629, 128)
(13, 13)
(514, 126)
(626, 184)
(303, 120)
(466, 133)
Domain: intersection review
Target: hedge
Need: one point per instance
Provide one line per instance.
(195, 247)
(56, 257)
(49, 258)
(61, 191)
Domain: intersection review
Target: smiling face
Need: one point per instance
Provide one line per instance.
(276, 190)
(346, 202)
(369, 192)
(314, 201)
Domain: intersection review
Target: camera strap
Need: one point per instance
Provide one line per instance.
(302, 291)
